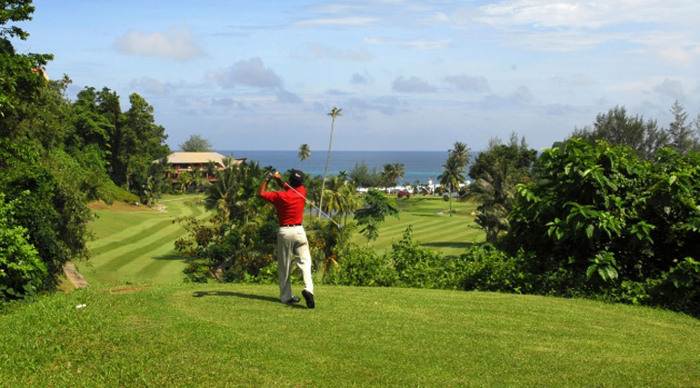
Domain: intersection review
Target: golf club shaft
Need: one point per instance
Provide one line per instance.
(314, 205)
(318, 208)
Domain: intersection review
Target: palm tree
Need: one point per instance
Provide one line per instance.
(392, 173)
(304, 153)
(233, 193)
(335, 112)
(460, 151)
(451, 175)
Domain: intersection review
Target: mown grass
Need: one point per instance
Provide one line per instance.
(240, 335)
(432, 225)
(136, 245)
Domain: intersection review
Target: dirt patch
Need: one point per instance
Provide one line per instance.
(125, 289)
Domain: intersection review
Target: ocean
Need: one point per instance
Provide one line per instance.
(421, 166)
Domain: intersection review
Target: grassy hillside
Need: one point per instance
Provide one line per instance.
(239, 335)
(135, 244)
(432, 225)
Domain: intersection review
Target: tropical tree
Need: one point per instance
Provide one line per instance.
(682, 135)
(196, 143)
(42, 184)
(392, 173)
(616, 127)
(143, 141)
(341, 198)
(496, 172)
(304, 153)
(233, 192)
(376, 206)
(360, 175)
(452, 175)
(21, 270)
(460, 151)
(334, 113)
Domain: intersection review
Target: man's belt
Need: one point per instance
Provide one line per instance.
(290, 225)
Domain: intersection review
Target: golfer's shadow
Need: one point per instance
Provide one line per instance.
(200, 294)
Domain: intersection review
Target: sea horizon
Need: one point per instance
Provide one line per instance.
(420, 166)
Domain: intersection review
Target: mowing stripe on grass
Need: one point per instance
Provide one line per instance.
(133, 238)
(161, 267)
(144, 249)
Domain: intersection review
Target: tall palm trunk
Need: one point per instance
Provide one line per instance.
(335, 112)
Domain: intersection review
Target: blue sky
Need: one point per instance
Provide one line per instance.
(408, 75)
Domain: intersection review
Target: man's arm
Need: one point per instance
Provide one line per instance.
(263, 185)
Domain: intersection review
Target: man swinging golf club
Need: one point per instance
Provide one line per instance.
(292, 245)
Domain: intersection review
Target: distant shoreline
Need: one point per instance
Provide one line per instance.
(419, 166)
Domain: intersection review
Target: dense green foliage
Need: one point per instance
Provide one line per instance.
(377, 206)
(601, 221)
(196, 143)
(56, 155)
(21, 270)
(644, 137)
(496, 172)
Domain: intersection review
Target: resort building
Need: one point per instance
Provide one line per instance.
(191, 161)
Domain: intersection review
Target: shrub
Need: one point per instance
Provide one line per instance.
(361, 266)
(489, 269)
(677, 289)
(197, 272)
(22, 273)
(419, 267)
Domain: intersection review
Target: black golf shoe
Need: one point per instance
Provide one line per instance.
(294, 300)
(309, 297)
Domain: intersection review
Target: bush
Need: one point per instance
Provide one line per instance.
(358, 266)
(489, 269)
(197, 272)
(419, 267)
(601, 222)
(22, 273)
(677, 289)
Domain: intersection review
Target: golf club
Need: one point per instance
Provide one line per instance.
(340, 227)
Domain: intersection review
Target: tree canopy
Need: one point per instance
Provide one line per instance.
(196, 143)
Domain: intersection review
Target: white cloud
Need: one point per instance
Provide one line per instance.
(248, 73)
(572, 25)
(175, 43)
(590, 14)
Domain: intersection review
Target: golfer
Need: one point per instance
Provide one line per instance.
(292, 245)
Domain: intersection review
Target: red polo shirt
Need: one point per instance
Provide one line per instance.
(289, 204)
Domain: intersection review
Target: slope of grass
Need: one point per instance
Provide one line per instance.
(135, 245)
(239, 335)
(432, 225)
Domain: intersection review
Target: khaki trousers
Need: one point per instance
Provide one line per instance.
(293, 248)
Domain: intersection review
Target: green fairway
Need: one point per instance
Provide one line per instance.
(432, 225)
(240, 335)
(136, 245)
